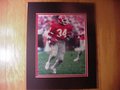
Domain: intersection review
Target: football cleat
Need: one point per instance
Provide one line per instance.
(53, 70)
(47, 65)
(76, 59)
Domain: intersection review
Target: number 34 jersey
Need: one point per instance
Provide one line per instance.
(60, 32)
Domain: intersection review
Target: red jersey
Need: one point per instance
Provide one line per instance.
(59, 31)
(79, 37)
(82, 37)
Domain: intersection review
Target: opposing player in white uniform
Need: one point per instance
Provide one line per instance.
(59, 33)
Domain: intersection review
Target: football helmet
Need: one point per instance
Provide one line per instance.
(62, 19)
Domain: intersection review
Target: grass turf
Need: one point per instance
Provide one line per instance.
(67, 67)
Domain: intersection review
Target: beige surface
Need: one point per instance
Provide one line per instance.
(13, 33)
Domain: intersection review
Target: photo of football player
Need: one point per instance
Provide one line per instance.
(60, 31)
(60, 45)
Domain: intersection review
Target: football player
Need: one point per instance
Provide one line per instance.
(59, 33)
(81, 38)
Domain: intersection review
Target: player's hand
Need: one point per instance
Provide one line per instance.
(53, 41)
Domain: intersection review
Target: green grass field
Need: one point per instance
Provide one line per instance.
(67, 67)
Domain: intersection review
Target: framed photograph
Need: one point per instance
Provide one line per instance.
(61, 46)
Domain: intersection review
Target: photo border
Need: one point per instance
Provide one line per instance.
(86, 50)
(61, 83)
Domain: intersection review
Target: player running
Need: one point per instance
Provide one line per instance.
(59, 33)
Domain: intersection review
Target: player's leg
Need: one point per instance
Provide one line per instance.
(79, 50)
(47, 65)
(53, 53)
(82, 45)
(60, 56)
(78, 56)
(56, 64)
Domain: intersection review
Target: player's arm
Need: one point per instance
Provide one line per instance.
(52, 39)
(52, 30)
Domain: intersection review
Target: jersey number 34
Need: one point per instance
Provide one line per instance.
(62, 32)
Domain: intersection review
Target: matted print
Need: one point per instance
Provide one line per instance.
(61, 45)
